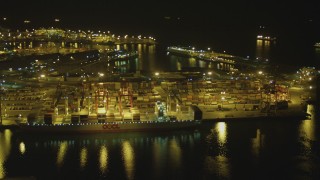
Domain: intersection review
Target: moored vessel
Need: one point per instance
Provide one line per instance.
(110, 127)
(265, 38)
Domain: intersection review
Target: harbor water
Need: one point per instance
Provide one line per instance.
(237, 149)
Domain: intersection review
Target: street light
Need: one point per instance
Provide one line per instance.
(209, 75)
(101, 74)
(157, 77)
(222, 99)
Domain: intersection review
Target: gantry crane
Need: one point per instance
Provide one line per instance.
(125, 92)
(101, 98)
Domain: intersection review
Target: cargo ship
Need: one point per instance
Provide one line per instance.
(108, 119)
(82, 123)
(110, 127)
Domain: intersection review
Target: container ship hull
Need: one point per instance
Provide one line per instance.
(112, 127)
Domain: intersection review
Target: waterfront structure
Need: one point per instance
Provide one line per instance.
(68, 90)
(52, 41)
(95, 107)
(60, 35)
(265, 38)
(131, 101)
(221, 61)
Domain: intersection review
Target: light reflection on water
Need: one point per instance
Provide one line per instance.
(218, 150)
(22, 148)
(307, 143)
(62, 151)
(307, 129)
(218, 163)
(103, 159)
(192, 62)
(221, 130)
(83, 157)
(257, 144)
(5, 150)
(128, 159)
(262, 49)
(174, 154)
(159, 155)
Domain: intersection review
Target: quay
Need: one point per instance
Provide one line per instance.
(70, 36)
(98, 101)
(222, 61)
(60, 42)
(81, 89)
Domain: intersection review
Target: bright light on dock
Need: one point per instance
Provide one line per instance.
(101, 74)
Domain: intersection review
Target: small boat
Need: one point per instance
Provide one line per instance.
(317, 45)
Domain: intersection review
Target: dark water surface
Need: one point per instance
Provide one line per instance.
(240, 149)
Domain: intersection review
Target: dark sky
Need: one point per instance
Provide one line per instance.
(148, 16)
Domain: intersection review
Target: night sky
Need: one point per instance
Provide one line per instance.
(163, 16)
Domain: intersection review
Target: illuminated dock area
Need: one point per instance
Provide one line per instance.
(220, 60)
(108, 102)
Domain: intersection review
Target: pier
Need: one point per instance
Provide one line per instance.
(222, 61)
